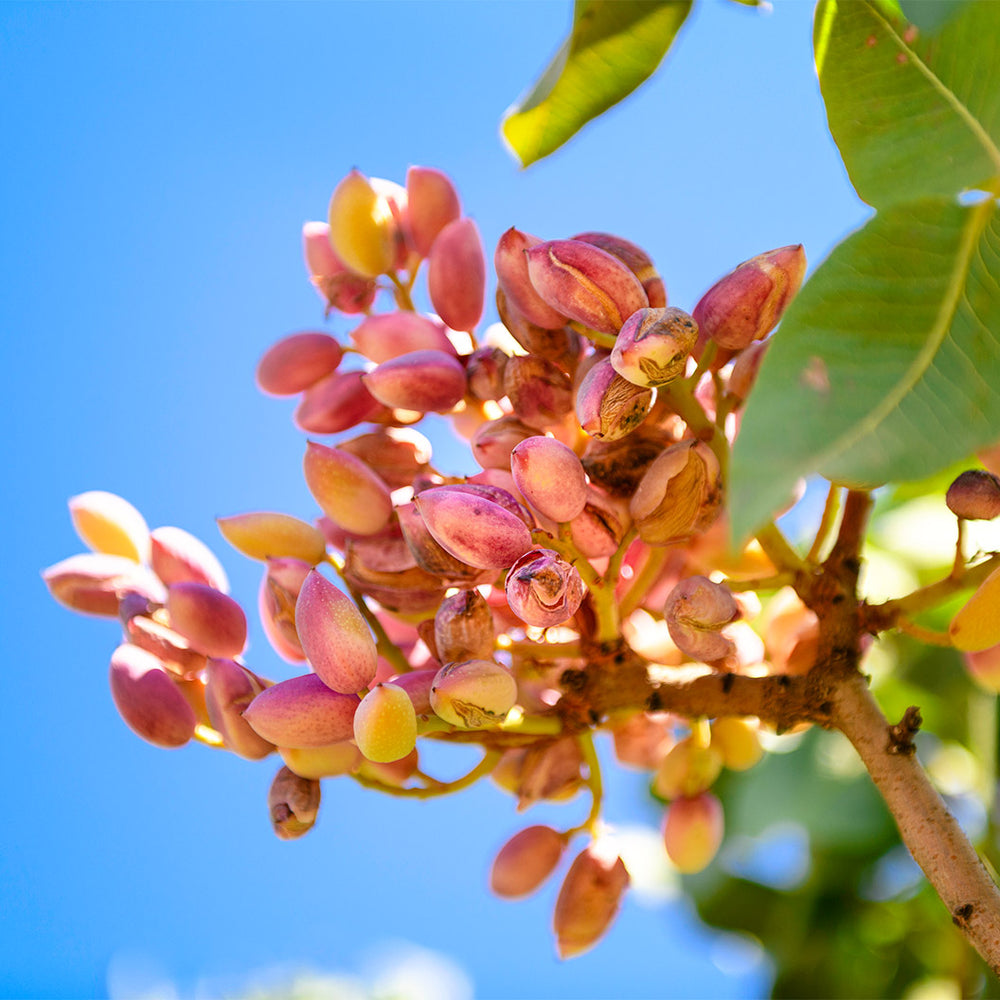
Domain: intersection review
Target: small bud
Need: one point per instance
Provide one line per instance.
(543, 589)
(496, 439)
(337, 402)
(511, 266)
(334, 637)
(340, 287)
(976, 626)
(635, 259)
(539, 391)
(456, 275)
(588, 900)
(473, 694)
(687, 769)
(609, 406)
(695, 611)
(178, 556)
(388, 335)
(432, 202)
(347, 490)
(265, 535)
(362, 227)
(550, 477)
(322, 762)
(747, 303)
(974, 495)
(463, 628)
(425, 381)
(302, 712)
(297, 362)
(93, 583)
(148, 699)
(108, 523)
(738, 741)
(229, 689)
(385, 724)
(526, 861)
(693, 831)
(653, 346)
(293, 802)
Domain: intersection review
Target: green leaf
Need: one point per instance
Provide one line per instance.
(929, 15)
(886, 367)
(614, 46)
(913, 115)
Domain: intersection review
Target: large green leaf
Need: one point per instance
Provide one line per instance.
(614, 46)
(887, 365)
(929, 15)
(914, 115)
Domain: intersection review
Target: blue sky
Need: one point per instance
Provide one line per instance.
(158, 163)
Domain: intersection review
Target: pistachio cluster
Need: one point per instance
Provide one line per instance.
(430, 606)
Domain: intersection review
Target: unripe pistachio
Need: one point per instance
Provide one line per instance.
(543, 589)
(695, 611)
(322, 762)
(687, 769)
(738, 741)
(93, 582)
(526, 861)
(680, 494)
(431, 557)
(484, 373)
(550, 477)
(297, 362)
(397, 454)
(432, 202)
(511, 266)
(347, 490)
(635, 259)
(976, 626)
(334, 637)
(599, 528)
(337, 402)
(693, 831)
(463, 628)
(302, 712)
(395, 774)
(609, 406)
(110, 524)
(475, 530)
(148, 699)
(549, 770)
(177, 555)
(385, 724)
(293, 802)
(642, 739)
(362, 228)
(653, 346)
(473, 694)
(386, 570)
(426, 381)
(974, 495)
(279, 591)
(229, 689)
(561, 346)
(456, 275)
(388, 335)
(745, 369)
(493, 442)
(264, 534)
(585, 283)
(340, 287)
(984, 667)
(212, 622)
(589, 899)
(417, 684)
(539, 391)
(168, 646)
(747, 303)
(395, 195)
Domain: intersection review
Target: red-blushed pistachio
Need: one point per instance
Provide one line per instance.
(268, 535)
(692, 832)
(417, 684)
(347, 490)
(609, 406)
(229, 689)
(110, 524)
(642, 739)
(473, 529)
(562, 346)
(653, 346)
(540, 392)
(212, 622)
(473, 694)
(322, 762)
(976, 625)
(543, 589)
(548, 770)
(148, 699)
(456, 275)
(93, 582)
(297, 362)
(293, 802)
(984, 667)
(687, 769)
(498, 494)
(363, 231)
(337, 402)
(745, 369)
(397, 454)
(635, 259)
(302, 712)
(335, 638)
(340, 287)
(426, 381)
(680, 494)
(511, 266)
(695, 611)
(279, 590)
(589, 899)
(463, 628)
(395, 195)
(432, 202)
(431, 557)
(618, 466)
(385, 724)
(599, 528)
(386, 570)
(738, 740)
(585, 283)
(395, 774)
(974, 495)
(495, 440)
(526, 861)
(550, 477)
(177, 555)
(747, 303)
(168, 646)
(484, 370)
(388, 335)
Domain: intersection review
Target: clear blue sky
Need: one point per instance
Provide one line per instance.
(156, 164)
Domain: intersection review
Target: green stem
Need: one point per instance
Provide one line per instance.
(402, 292)
(643, 580)
(586, 743)
(778, 549)
(598, 339)
(830, 511)
(707, 357)
(774, 582)
(484, 767)
(543, 650)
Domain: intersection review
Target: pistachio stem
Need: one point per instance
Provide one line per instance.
(926, 635)
(831, 508)
(597, 338)
(642, 581)
(707, 357)
(773, 582)
(586, 743)
(778, 549)
(959, 564)
(401, 292)
(484, 767)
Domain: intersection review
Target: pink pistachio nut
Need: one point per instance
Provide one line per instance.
(496, 439)
(642, 739)
(745, 369)
(747, 303)
(548, 771)
(334, 637)
(148, 699)
(599, 528)
(302, 712)
(473, 694)
(984, 667)
(562, 346)
(687, 769)
(108, 523)
(212, 622)
(425, 381)
(179, 556)
(456, 275)
(653, 346)
(279, 591)
(540, 393)
(526, 861)
(293, 364)
(974, 495)
(484, 370)
(695, 612)
(692, 831)
(347, 490)
(93, 582)
(511, 266)
(322, 762)
(229, 689)
(432, 557)
(271, 535)
(463, 628)
(432, 203)
(386, 570)
(543, 589)
(293, 802)
(588, 900)
(608, 406)
(340, 287)
(337, 402)
(475, 530)
(385, 724)
(395, 195)
(635, 259)
(397, 454)
(550, 477)
(417, 684)
(388, 335)
(585, 283)
(168, 646)
(498, 494)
